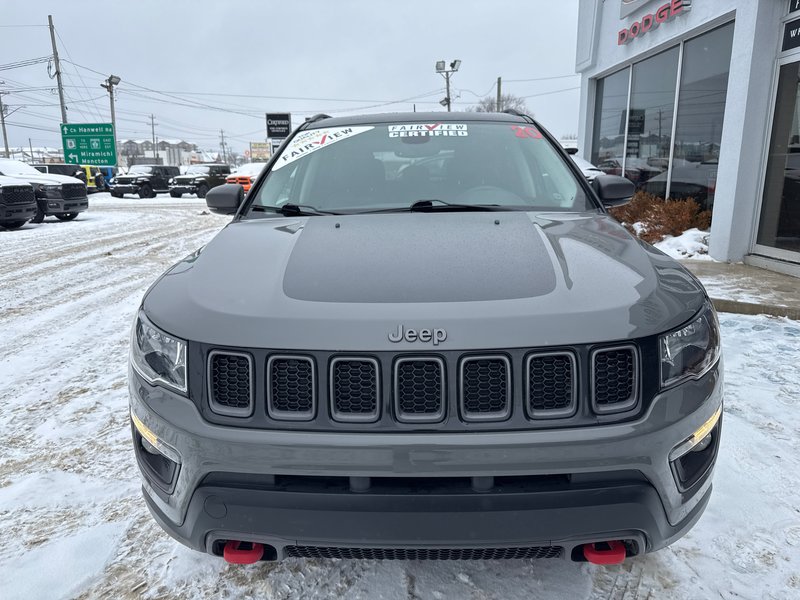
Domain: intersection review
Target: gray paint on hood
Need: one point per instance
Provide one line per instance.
(577, 278)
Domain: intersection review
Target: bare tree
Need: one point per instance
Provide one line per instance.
(507, 101)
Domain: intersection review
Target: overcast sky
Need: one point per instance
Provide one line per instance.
(317, 56)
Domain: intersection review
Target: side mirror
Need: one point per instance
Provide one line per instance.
(225, 199)
(613, 190)
(571, 151)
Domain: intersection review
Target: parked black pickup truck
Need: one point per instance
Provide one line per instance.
(17, 203)
(145, 180)
(198, 180)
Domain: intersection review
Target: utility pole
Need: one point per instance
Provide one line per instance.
(222, 143)
(109, 86)
(441, 68)
(499, 106)
(58, 70)
(153, 130)
(30, 146)
(3, 121)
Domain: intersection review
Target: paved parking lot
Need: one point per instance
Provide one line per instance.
(71, 515)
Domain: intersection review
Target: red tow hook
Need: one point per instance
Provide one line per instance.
(613, 555)
(235, 554)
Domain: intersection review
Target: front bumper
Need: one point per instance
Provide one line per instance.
(279, 487)
(17, 212)
(183, 189)
(60, 206)
(128, 188)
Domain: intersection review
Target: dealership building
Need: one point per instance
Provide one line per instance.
(701, 99)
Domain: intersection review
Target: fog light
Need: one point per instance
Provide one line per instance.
(697, 438)
(150, 441)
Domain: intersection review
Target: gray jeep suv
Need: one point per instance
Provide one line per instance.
(421, 336)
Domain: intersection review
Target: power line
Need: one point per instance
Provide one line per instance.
(63, 45)
(24, 63)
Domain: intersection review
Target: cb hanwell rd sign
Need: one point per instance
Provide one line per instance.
(89, 144)
(665, 13)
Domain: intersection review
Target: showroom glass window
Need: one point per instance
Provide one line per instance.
(701, 107)
(779, 226)
(609, 119)
(650, 119)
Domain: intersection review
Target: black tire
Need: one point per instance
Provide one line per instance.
(66, 216)
(175, 194)
(39, 216)
(117, 195)
(202, 190)
(13, 224)
(146, 192)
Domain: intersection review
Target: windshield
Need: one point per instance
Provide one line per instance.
(197, 170)
(386, 166)
(140, 169)
(15, 167)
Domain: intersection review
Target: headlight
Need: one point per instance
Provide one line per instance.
(172, 181)
(157, 356)
(691, 351)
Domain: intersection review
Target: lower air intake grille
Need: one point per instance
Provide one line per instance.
(485, 388)
(290, 388)
(614, 379)
(354, 389)
(419, 389)
(551, 385)
(230, 379)
(425, 553)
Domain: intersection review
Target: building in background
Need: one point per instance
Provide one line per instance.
(170, 152)
(700, 98)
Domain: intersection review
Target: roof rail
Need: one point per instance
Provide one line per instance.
(317, 117)
(516, 113)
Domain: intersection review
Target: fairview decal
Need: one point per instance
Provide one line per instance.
(428, 130)
(306, 142)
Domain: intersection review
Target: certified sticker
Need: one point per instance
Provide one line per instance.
(306, 142)
(428, 130)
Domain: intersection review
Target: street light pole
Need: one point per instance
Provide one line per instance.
(109, 86)
(3, 121)
(441, 68)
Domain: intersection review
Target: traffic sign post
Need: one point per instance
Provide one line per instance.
(89, 144)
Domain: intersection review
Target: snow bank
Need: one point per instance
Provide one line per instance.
(692, 243)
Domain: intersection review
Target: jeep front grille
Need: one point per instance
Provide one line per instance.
(419, 389)
(290, 388)
(485, 388)
(354, 389)
(73, 190)
(424, 553)
(614, 379)
(551, 385)
(230, 383)
(17, 195)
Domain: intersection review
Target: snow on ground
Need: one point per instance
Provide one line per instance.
(73, 524)
(692, 243)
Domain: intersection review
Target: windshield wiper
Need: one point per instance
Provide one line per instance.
(436, 205)
(293, 210)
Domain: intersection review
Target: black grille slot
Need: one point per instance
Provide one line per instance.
(73, 190)
(614, 379)
(18, 195)
(354, 389)
(230, 379)
(425, 553)
(485, 388)
(290, 390)
(419, 389)
(551, 385)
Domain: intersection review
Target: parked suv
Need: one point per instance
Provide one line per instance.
(17, 203)
(92, 176)
(472, 361)
(145, 180)
(198, 179)
(56, 195)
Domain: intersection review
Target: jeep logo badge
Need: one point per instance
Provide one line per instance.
(437, 336)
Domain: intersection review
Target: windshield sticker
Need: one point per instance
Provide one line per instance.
(306, 142)
(428, 130)
(526, 132)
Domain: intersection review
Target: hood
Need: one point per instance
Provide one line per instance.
(45, 178)
(11, 181)
(189, 177)
(491, 280)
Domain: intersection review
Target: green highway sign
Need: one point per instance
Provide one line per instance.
(89, 144)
